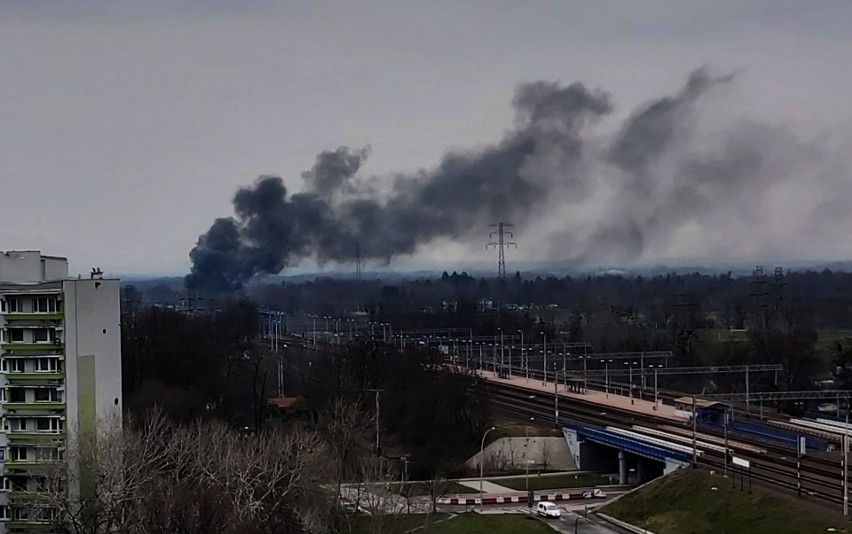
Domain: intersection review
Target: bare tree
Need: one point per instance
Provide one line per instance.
(199, 478)
(375, 492)
(438, 486)
(348, 429)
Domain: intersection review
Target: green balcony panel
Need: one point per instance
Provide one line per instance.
(10, 406)
(33, 377)
(12, 317)
(40, 465)
(30, 346)
(26, 526)
(40, 437)
(16, 496)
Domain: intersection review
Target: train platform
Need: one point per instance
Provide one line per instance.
(611, 399)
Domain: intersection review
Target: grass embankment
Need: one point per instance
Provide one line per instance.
(469, 523)
(537, 483)
(696, 502)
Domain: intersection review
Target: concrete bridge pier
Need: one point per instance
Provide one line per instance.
(622, 467)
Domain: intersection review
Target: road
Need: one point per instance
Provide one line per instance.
(566, 523)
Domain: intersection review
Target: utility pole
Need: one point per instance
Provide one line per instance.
(694, 430)
(501, 244)
(725, 429)
(845, 441)
(378, 425)
(555, 398)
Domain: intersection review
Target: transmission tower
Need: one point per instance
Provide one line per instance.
(501, 244)
(760, 297)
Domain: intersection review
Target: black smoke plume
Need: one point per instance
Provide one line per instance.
(273, 229)
(661, 179)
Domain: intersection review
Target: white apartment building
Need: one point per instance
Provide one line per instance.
(60, 375)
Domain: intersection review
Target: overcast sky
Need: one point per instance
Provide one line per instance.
(127, 127)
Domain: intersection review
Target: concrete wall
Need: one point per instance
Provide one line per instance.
(511, 454)
(29, 266)
(92, 352)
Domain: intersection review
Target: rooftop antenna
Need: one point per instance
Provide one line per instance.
(501, 244)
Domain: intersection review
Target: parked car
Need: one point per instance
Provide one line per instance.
(547, 509)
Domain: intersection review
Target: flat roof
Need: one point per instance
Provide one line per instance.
(699, 403)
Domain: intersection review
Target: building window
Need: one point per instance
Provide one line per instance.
(17, 454)
(46, 395)
(17, 424)
(15, 335)
(12, 365)
(41, 335)
(48, 424)
(47, 365)
(44, 305)
(47, 454)
(13, 305)
(17, 395)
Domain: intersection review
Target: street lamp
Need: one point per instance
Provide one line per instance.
(544, 351)
(630, 365)
(524, 361)
(656, 368)
(482, 463)
(502, 352)
(606, 375)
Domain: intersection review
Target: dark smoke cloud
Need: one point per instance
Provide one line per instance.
(333, 170)
(273, 229)
(673, 177)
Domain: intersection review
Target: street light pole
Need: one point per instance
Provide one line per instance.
(631, 382)
(555, 397)
(846, 465)
(656, 398)
(502, 352)
(544, 350)
(694, 432)
(482, 464)
(524, 361)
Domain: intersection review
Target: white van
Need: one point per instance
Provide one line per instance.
(547, 509)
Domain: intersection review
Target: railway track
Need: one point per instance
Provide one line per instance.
(813, 477)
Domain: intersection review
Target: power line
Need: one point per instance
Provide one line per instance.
(501, 244)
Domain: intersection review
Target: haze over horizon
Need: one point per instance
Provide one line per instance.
(160, 113)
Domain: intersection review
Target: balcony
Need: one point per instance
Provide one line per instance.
(12, 317)
(34, 378)
(28, 465)
(29, 525)
(34, 436)
(24, 346)
(23, 495)
(33, 406)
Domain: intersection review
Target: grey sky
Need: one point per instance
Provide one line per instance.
(126, 127)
